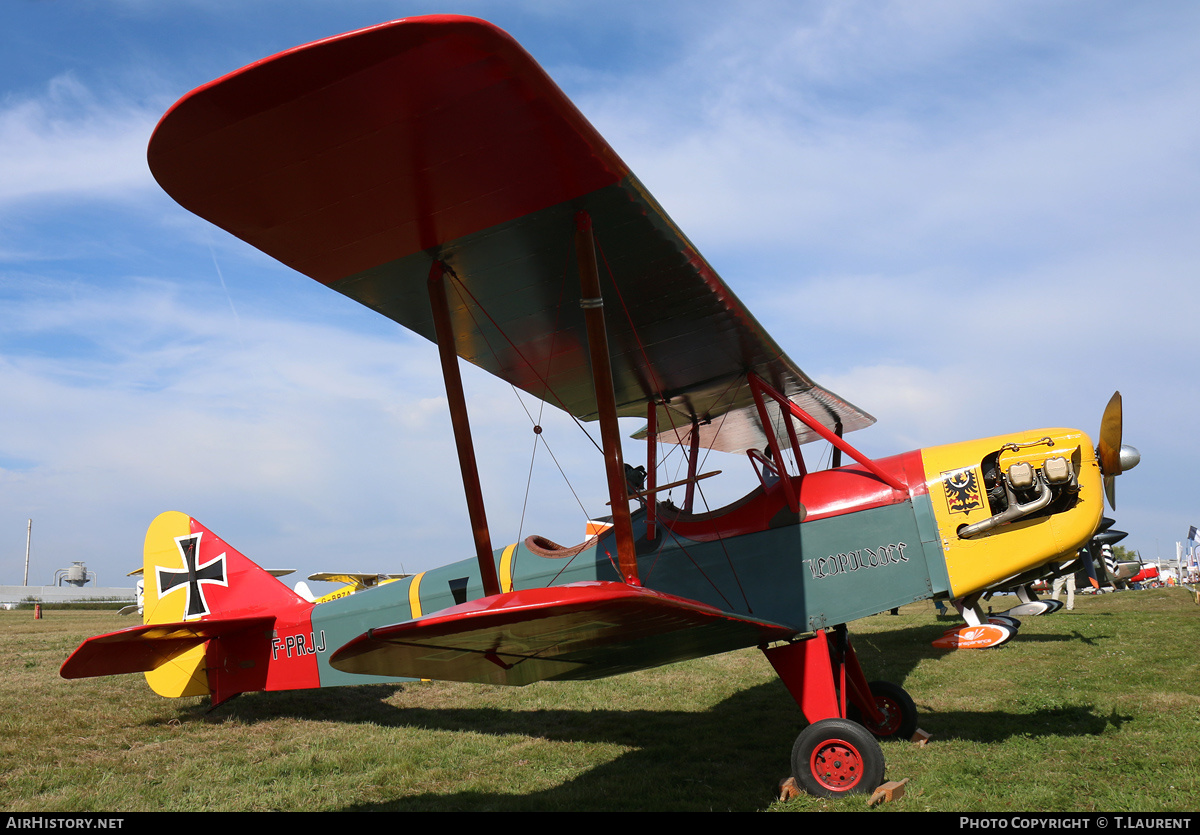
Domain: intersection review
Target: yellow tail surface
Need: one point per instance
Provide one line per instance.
(185, 675)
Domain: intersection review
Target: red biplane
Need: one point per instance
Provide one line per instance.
(431, 170)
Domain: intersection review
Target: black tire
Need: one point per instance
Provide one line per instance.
(837, 757)
(898, 708)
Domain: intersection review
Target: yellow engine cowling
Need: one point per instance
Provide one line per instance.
(995, 549)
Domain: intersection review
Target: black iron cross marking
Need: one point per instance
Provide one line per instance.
(192, 576)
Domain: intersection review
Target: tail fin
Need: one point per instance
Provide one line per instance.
(199, 595)
(192, 574)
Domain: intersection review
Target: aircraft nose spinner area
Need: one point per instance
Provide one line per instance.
(1007, 504)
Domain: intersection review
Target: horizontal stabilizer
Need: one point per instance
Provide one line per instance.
(579, 631)
(140, 649)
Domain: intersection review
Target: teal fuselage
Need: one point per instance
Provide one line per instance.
(804, 575)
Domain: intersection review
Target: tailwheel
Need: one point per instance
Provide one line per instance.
(836, 757)
(898, 709)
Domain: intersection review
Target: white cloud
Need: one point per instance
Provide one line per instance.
(297, 442)
(68, 142)
(909, 133)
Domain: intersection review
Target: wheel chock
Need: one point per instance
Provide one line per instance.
(788, 790)
(888, 792)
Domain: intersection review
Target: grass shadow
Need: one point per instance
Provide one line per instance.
(730, 757)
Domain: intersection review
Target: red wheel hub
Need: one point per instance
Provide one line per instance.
(837, 765)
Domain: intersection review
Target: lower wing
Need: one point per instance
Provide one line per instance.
(578, 631)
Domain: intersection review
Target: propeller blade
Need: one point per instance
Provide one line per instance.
(1109, 448)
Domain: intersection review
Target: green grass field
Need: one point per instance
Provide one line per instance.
(1092, 710)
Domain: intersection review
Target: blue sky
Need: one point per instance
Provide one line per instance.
(966, 218)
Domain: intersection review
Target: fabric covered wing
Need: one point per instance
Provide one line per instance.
(360, 159)
(578, 631)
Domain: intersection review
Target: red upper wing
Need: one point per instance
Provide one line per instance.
(360, 159)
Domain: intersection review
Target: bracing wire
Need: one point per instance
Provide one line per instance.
(460, 290)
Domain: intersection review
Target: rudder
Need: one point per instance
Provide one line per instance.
(186, 674)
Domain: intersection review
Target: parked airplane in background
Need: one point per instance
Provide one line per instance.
(352, 582)
(430, 169)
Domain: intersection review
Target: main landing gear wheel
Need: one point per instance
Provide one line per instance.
(898, 709)
(836, 757)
